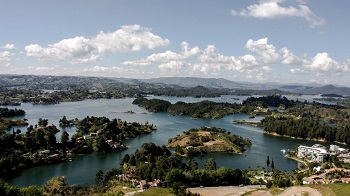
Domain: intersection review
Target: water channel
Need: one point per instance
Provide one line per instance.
(83, 168)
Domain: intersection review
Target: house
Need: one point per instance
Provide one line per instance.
(312, 179)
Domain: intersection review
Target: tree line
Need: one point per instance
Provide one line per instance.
(306, 128)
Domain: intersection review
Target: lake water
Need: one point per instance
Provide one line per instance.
(83, 168)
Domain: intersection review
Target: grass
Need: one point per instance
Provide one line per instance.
(323, 189)
(156, 191)
(276, 191)
(340, 188)
(118, 189)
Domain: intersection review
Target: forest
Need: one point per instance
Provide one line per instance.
(306, 128)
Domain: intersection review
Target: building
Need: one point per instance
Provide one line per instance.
(316, 153)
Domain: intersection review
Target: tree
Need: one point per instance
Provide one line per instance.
(99, 177)
(64, 137)
(50, 139)
(31, 191)
(268, 162)
(125, 159)
(132, 160)
(272, 165)
(43, 122)
(101, 144)
(210, 164)
(192, 164)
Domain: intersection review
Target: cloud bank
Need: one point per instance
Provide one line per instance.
(131, 38)
(273, 9)
(262, 55)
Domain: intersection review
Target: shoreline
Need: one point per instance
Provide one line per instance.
(296, 159)
(298, 138)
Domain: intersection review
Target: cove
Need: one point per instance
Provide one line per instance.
(83, 168)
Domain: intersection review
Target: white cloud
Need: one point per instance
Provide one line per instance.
(297, 71)
(167, 56)
(92, 58)
(45, 68)
(289, 58)
(189, 52)
(322, 62)
(266, 69)
(5, 56)
(113, 71)
(8, 46)
(256, 65)
(243, 63)
(171, 66)
(272, 9)
(126, 39)
(267, 52)
(206, 68)
(73, 47)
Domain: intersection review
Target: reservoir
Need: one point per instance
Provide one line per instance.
(83, 168)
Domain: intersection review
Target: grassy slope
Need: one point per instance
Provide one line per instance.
(156, 191)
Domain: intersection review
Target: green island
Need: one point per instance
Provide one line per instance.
(207, 140)
(202, 109)
(5, 123)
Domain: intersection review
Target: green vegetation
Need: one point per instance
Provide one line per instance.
(273, 101)
(6, 124)
(203, 109)
(5, 112)
(210, 109)
(207, 140)
(310, 121)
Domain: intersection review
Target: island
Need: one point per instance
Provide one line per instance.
(6, 124)
(207, 140)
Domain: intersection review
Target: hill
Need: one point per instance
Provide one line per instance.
(328, 89)
(207, 140)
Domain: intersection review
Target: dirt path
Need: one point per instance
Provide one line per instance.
(299, 191)
(226, 190)
(235, 191)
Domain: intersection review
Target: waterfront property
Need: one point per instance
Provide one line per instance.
(319, 153)
(333, 175)
(316, 153)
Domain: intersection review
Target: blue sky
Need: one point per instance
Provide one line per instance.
(287, 41)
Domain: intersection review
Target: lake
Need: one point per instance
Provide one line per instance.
(83, 168)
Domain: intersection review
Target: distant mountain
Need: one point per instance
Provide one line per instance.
(328, 89)
(151, 85)
(207, 82)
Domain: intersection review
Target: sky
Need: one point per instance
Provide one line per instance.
(283, 41)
